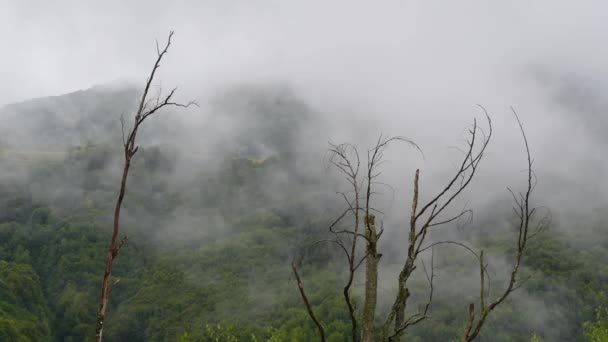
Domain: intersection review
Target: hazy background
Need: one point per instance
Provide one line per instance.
(346, 71)
(412, 68)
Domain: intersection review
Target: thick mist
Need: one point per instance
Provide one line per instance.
(401, 68)
(277, 81)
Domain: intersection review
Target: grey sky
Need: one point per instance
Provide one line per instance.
(460, 48)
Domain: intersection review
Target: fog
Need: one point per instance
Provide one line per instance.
(347, 71)
(411, 68)
(415, 68)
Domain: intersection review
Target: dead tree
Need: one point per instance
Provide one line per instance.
(428, 216)
(529, 224)
(424, 217)
(346, 158)
(148, 105)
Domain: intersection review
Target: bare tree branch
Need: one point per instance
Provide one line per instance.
(525, 215)
(427, 216)
(130, 148)
(307, 303)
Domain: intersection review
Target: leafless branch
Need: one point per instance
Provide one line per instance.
(307, 303)
(425, 216)
(524, 214)
(130, 149)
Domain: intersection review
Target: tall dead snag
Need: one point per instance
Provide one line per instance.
(147, 107)
(371, 279)
(424, 217)
(363, 226)
(529, 224)
(372, 236)
(359, 200)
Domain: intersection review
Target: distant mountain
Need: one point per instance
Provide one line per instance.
(74, 119)
(250, 120)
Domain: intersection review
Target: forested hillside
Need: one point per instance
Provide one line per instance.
(209, 249)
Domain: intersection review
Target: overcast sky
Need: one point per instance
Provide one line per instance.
(458, 47)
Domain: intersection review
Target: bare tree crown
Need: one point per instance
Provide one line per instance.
(424, 217)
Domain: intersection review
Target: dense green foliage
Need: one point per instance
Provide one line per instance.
(597, 331)
(23, 311)
(236, 282)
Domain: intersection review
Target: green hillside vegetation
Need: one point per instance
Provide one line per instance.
(237, 282)
(208, 259)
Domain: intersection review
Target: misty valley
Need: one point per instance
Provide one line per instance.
(311, 179)
(211, 238)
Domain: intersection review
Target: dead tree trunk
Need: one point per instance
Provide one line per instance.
(402, 292)
(371, 279)
(112, 252)
(147, 106)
